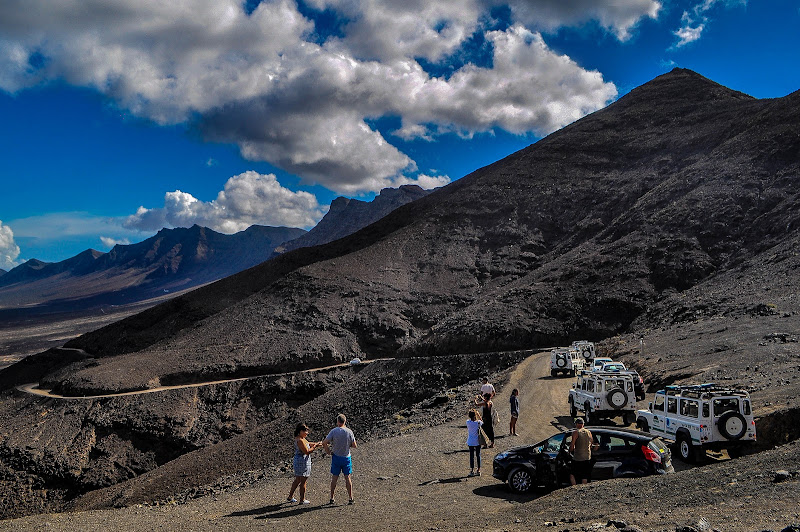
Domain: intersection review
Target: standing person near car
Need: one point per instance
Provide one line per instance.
(487, 387)
(512, 425)
(474, 424)
(581, 450)
(338, 443)
(488, 425)
(301, 462)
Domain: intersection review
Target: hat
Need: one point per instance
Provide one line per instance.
(579, 420)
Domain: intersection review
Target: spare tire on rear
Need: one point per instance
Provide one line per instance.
(617, 398)
(732, 425)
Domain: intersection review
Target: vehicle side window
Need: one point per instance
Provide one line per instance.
(611, 443)
(721, 406)
(690, 408)
(630, 386)
(705, 410)
(658, 404)
(672, 405)
(591, 386)
(746, 408)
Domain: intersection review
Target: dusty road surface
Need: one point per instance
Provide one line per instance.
(415, 481)
(418, 481)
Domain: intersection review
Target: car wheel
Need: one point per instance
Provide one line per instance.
(685, 449)
(628, 418)
(642, 425)
(520, 480)
(617, 398)
(573, 411)
(732, 425)
(553, 373)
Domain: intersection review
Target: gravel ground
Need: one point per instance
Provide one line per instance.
(417, 481)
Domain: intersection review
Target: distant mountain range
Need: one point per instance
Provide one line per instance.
(173, 260)
(346, 216)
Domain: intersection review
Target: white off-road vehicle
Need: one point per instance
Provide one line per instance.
(603, 395)
(699, 417)
(585, 348)
(566, 360)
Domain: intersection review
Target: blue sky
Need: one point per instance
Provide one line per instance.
(121, 117)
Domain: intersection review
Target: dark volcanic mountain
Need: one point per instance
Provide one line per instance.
(577, 235)
(2, 272)
(347, 215)
(174, 259)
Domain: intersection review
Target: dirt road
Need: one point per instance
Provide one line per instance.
(412, 482)
(33, 387)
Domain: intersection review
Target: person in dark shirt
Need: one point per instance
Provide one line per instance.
(512, 425)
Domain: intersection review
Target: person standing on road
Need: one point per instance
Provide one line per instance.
(581, 450)
(487, 387)
(473, 442)
(488, 425)
(512, 425)
(301, 462)
(338, 443)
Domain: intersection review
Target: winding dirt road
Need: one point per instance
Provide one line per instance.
(33, 387)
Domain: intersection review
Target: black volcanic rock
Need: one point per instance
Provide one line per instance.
(346, 216)
(575, 236)
(2, 272)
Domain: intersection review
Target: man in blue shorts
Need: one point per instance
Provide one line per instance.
(338, 443)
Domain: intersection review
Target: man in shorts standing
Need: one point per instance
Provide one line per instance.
(338, 443)
(581, 450)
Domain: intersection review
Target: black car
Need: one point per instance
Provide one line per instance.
(622, 453)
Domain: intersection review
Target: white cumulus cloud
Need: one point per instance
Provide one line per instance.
(695, 20)
(268, 81)
(9, 250)
(110, 242)
(247, 199)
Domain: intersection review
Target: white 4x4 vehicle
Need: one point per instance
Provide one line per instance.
(565, 360)
(585, 348)
(601, 395)
(700, 417)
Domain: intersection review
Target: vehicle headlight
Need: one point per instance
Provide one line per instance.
(502, 456)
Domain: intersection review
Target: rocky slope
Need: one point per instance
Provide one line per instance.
(578, 235)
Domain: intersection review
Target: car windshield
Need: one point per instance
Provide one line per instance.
(614, 367)
(553, 443)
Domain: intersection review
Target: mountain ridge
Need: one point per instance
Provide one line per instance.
(574, 235)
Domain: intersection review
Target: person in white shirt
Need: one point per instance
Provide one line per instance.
(487, 388)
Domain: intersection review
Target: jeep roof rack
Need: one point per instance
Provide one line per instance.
(707, 389)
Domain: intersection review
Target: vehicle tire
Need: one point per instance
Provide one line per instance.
(572, 373)
(617, 398)
(642, 425)
(520, 480)
(553, 373)
(629, 418)
(573, 410)
(587, 353)
(561, 362)
(732, 425)
(685, 449)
